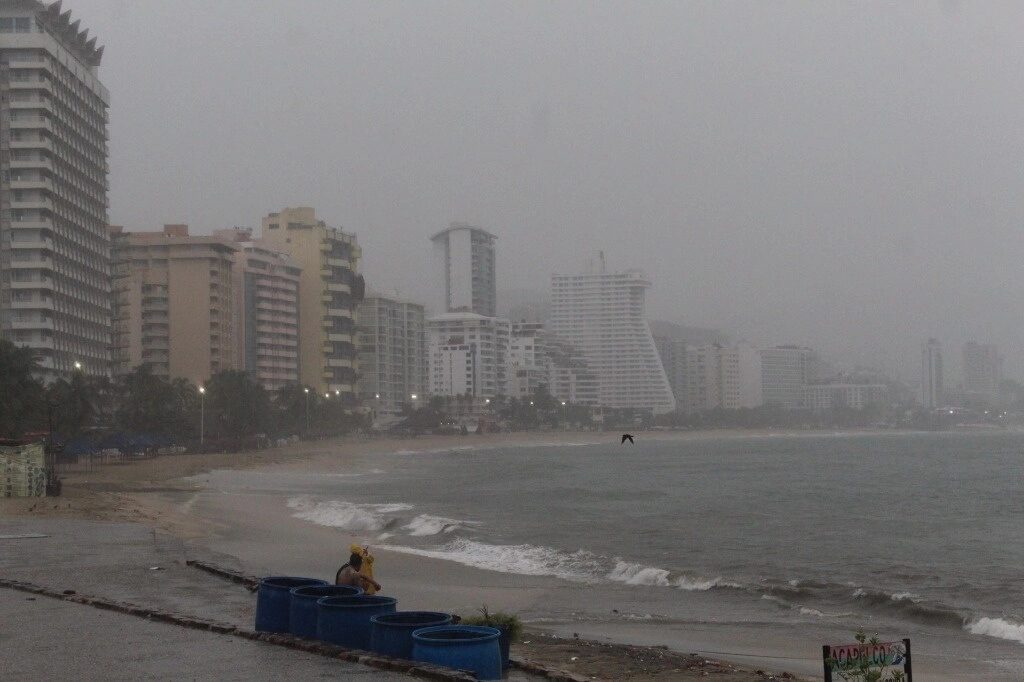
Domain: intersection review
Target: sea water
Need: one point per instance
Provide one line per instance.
(910, 532)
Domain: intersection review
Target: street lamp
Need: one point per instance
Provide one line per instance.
(307, 408)
(78, 365)
(202, 414)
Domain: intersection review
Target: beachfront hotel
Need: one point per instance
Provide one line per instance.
(468, 355)
(174, 303)
(464, 265)
(602, 315)
(54, 250)
(266, 310)
(931, 374)
(330, 289)
(785, 372)
(391, 342)
(722, 377)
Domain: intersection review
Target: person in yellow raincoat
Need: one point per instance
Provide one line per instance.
(367, 568)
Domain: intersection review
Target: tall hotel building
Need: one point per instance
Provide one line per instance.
(931, 374)
(174, 303)
(392, 352)
(54, 250)
(266, 286)
(330, 289)
(465, 266)
(602, 315)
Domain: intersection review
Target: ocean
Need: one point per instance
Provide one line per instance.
(908, 534)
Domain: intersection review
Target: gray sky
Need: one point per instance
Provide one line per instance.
(844, 175)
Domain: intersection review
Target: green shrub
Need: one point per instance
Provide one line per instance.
(498, 619)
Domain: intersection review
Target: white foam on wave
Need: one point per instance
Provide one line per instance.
(703, 585)
(425, 524)
(580, 566)
(904, 596)
(997, 627)
(339, 514)
(636, 574)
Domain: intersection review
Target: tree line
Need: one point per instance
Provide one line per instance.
(232, 410)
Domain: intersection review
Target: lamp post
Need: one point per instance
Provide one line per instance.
(564, 420)
(202, 414)
(307, 408)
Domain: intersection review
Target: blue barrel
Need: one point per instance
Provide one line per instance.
(302, 617)
(391, 634)
(274, 601)
(465, 647)
(345, 621)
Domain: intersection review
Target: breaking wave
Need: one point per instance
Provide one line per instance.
(346, 515)
(425, 524)
(997, 627)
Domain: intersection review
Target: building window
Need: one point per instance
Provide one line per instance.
(22, 25)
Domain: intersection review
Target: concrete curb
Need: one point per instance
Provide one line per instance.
(366, 658)
(251, 582)
(549, 673)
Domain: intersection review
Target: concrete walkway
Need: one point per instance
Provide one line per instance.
(42, 638)
(47, 639)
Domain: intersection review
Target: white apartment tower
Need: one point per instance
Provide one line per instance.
(720, 377)
(391, 343)
(931, 374)
(465, 268)
(468, 355)
(602, 315)
(983, 372)
(54, 248)
(527, 359)
(785, 372)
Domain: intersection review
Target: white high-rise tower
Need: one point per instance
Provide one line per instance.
(54, 248)
(602, 315)
(464, 263)
(931, 374)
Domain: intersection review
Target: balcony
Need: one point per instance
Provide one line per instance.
(37, 183)
(31, 324)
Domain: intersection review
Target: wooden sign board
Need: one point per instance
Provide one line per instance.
(843, 657)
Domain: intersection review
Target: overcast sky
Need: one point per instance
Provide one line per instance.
(842, 175)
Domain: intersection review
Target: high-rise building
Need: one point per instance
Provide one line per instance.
(266, 286)
(527, 359)
(672, 352)
(785, 371)
(820, 397)
(570, 378)
(54, 249)
(723, 377)
(391, 341)
(931, 374)
(465, 266)
(174, 303)
(602, 315)
(983, 372)
(330, 288)
(468, 355)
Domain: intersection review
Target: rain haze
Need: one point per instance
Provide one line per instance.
(842, 175)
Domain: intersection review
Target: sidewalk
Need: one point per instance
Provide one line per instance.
(45, 638)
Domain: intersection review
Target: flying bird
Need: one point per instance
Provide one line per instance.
(626, 437)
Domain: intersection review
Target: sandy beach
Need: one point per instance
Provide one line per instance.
(168, 493)
(178, 494)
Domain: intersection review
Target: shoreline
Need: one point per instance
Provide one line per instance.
(164, 492)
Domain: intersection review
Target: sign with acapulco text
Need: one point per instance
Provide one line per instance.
(848, 657)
